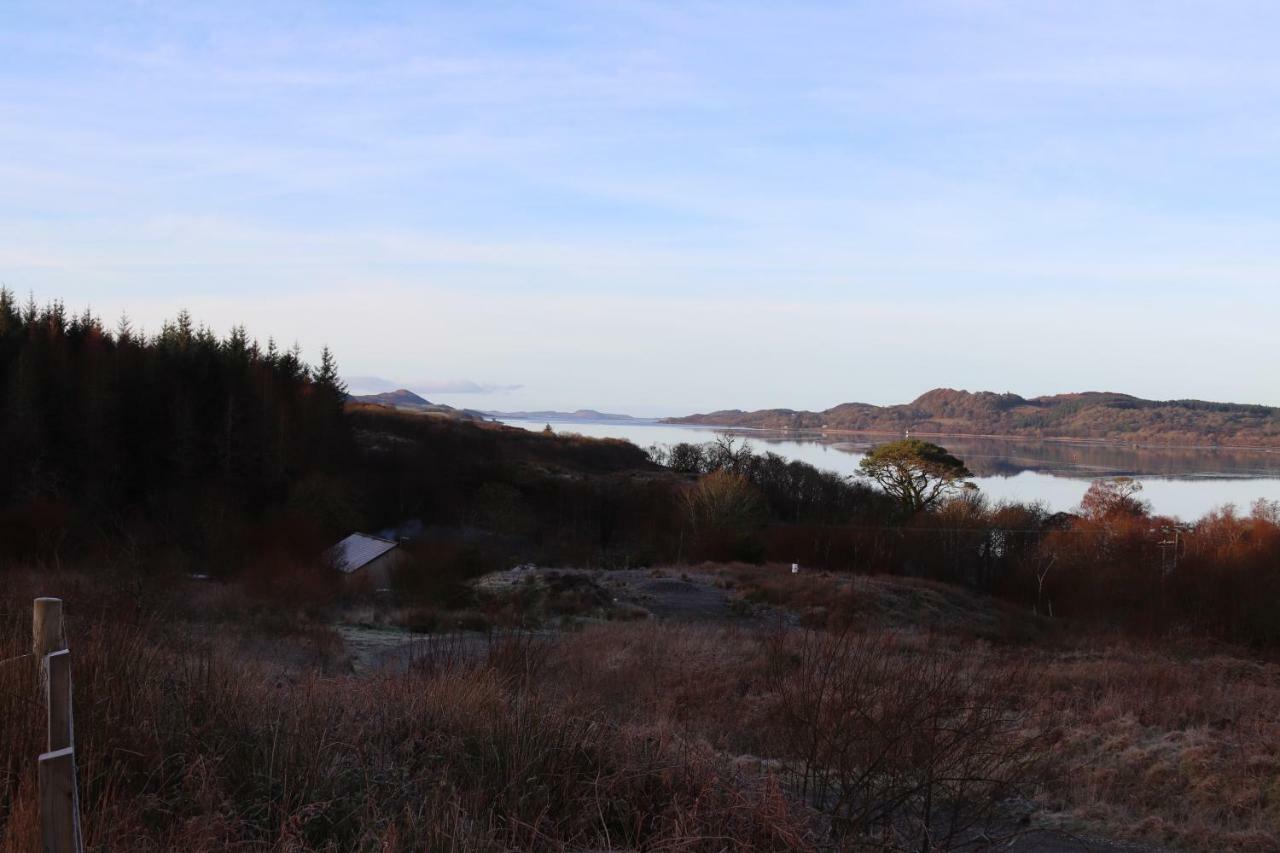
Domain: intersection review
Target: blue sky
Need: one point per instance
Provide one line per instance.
(667, 207)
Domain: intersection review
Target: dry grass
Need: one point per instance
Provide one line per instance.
(1177, 746)
(634, 735)
(1162, 744)
(837, 602)
(1168, 746)
(189, 748)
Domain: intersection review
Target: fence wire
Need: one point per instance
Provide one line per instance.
(19, 657)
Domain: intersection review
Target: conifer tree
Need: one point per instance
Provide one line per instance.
(326, 375)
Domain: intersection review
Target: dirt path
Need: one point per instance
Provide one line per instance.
(688, 596)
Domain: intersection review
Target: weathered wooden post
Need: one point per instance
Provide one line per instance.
(59, 800)
(46, 628)
(59, 818)
(58, 694)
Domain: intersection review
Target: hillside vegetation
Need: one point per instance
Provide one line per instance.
(937, 675)
(406, 400)
(1091, 415)
(183, 451)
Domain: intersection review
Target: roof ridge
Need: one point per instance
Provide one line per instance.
(371, 536)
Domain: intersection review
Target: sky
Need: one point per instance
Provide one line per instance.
(661, 208)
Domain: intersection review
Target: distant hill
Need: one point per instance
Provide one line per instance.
(1090, 415)
(406, 400)
(579, 415)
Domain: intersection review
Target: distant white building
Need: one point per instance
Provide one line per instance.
(367, 561)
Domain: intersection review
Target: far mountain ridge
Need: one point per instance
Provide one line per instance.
(407, 400)
(399, 397)
(1092, 415)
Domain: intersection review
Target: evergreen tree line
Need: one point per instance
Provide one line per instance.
(108, 431)
(185, 451)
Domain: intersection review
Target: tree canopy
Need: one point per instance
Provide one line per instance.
(1117, 496)
(919, 475)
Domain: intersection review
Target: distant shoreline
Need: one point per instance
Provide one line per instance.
(1091, 417)
(1099, 442)
(815, 432)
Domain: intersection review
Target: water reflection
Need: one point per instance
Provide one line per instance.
(1006, 458)
(1178, 481)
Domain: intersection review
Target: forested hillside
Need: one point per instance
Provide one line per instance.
(1091, 415)
(145, 455)
(182, 450)
(176, 436)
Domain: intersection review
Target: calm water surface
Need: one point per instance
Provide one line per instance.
(1180, 482)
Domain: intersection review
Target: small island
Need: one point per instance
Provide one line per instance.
(1087, 416)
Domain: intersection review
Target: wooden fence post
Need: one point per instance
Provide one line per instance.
(46, 628)
(59, 809)
(58, 695)
(59, 800)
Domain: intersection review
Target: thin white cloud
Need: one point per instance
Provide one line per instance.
(668, 206)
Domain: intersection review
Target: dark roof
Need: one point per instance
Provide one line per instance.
(359, 550)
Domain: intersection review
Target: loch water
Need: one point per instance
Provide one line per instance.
(1182, 482)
